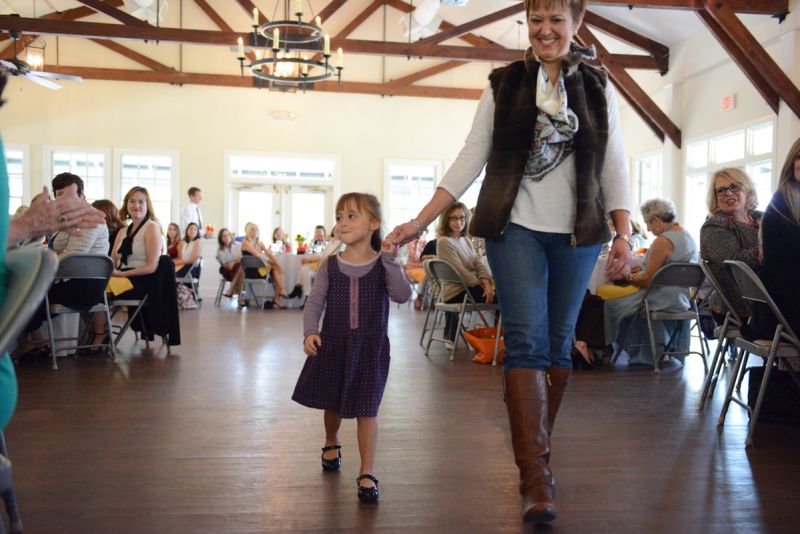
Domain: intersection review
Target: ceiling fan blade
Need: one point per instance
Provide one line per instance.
(42, 81)
(58, 76)
(8, 65)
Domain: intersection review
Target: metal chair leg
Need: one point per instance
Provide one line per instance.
(9, 497)
(652, 338)
(731, 385)
(741, 374)
(710, 382)
(763, 388)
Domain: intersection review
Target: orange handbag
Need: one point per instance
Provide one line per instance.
(482, 341)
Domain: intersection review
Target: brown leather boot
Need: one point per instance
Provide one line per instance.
(559, 377)
(526, 402)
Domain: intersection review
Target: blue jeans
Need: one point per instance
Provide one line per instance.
(540, 280)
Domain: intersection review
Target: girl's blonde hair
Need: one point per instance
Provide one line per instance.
(740, 178)
(123, 212)
(247, 228)
(788, 186)
(442, 229)
(576, 7)
(368, 205)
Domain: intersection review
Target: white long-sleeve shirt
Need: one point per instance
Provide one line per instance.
(191, 214)
(550, 204)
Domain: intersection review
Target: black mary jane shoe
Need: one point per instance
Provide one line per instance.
(336, 463)
(367, 494)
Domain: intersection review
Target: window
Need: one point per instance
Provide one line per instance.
(648, 178)
(16, 164)
(280, 168)
(750, 149)
(89, 165)
(470, 196)
(409, 185)
(156, 173)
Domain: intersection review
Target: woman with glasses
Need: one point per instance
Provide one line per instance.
(730, 233)
(454, 247)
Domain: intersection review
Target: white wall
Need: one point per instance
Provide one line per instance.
(200, 123)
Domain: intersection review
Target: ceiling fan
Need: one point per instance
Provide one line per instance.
(17, 67)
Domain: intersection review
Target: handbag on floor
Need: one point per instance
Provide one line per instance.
(482, 340)
(185, 298)
(781, 402)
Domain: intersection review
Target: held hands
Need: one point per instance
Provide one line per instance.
(402, 234)
(388, 246)
(618, 257)
(311, 344)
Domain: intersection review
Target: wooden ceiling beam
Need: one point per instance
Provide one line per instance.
(659, 51)
(70, 14)
(426, 73)
(227, 80)
(248, 7)
(22, 44)
(213, 15)
(756, 7)
(467, 27)
(644, 105)
(113, 12)
(133, 55)
(752, 50)
(742, 60)
(332, 7)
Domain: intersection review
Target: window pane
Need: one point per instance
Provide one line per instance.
(16, 176)
(697, 155)
(695, 202)
(728, 147)
(649, 179)
(761, 139)
(287, 169)
(307, 211)
(154, 173)
(761, 174)
(410, 185)
(89, 166)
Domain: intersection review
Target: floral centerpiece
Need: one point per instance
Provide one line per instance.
(301, 244)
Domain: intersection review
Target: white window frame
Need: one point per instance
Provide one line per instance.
(387, 179)
(635, 186)
(228, 178)
(118, 193)
(26, 170)
(741, 163)
(47, 165)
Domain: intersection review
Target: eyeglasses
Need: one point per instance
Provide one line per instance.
(733, 188)
(457, 218)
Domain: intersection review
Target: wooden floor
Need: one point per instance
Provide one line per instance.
(208, 440)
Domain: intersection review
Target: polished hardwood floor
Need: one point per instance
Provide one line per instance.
(208, 440)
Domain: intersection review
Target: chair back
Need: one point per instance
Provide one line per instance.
(252, 262)
(30, 272)
(705, 265)
(752, 289)
(85, 266)
(686, 275)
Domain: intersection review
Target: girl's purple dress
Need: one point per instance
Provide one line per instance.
(349, 372)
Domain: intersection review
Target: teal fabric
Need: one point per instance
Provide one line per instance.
(8, 380)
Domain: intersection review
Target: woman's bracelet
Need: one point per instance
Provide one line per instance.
(416, 226)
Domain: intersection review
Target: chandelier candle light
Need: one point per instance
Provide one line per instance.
(285, 63)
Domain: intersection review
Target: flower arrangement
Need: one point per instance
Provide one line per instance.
(301, 244)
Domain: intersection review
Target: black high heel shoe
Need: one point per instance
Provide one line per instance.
(367, 494)
(336, 463)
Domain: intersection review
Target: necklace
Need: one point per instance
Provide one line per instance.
(669, 226)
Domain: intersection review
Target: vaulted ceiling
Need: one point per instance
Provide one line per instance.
(450, 63)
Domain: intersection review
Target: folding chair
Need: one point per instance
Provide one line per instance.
(784, 343)
(252, 284)
(220, 289)
(686, 275)
(85, 267)
(190, 280)
(30, 271)
(725, 334)
(431, 295)
(441, 272)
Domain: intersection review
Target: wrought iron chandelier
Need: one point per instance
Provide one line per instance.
(290, 53)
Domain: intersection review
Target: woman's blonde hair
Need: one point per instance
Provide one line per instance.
(576, 7)
(740, 178)
(123, 212)
(368, 205)
(442, 228)
(247, 228)
(788, 186)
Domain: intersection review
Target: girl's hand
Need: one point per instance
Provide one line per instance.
(403, 234)
(311, 344)
(388, 246)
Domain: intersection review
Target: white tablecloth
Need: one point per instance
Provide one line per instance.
(599, 272)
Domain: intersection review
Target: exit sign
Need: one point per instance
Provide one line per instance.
(728, 102)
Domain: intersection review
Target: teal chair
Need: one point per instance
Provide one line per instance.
(30, 272)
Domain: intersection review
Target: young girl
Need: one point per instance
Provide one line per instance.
(348, 362)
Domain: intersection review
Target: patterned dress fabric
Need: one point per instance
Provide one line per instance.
(348, 375)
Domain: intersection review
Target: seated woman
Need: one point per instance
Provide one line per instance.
(319, 242)
(311, 262)
(455, 248)
(189, 250)
(730, 233)
(780, 233)
(253, 246)
(173, 240)
(673, 244)
(281, 241)
(113, 222)
(229, 255)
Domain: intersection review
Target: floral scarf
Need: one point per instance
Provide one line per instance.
(556, 124)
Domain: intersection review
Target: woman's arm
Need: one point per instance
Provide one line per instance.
(152, 245)
(276, 266)
(179, 261)
(661, 250)
(117, 242)
(447, 251)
